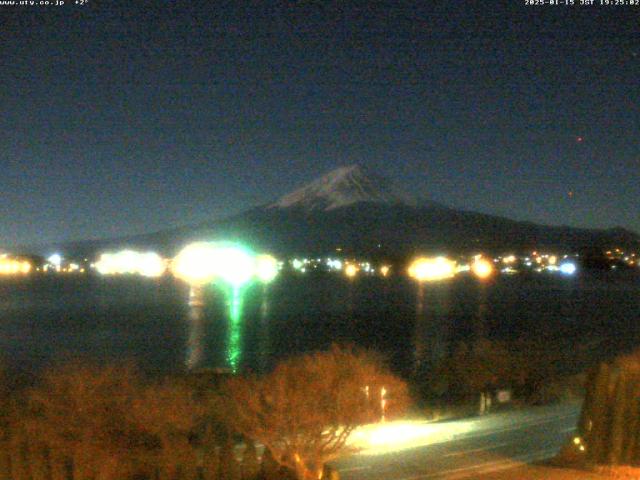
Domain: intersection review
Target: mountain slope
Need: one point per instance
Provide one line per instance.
(363, 213)
(342, 187)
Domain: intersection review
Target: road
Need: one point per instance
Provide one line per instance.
(459, 449)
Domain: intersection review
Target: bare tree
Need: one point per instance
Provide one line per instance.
(170, 412)
(304, 411)
(79, 416)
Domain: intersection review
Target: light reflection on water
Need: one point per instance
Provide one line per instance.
(148, 320)
(234, 342)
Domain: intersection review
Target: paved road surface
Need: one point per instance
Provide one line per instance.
(460, 449)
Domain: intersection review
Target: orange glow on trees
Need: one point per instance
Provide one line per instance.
(306, 409)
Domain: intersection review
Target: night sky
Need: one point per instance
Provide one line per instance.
(119, 119)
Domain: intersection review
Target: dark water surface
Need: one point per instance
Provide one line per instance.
(42, 319)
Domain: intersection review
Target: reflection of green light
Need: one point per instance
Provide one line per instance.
(234, 347)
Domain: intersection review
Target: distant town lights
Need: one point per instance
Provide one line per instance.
(14, 266)
(196, 263)
(235, 265)
(426, 269)
(148, 264)
(511, 258)
(55, 259)
(482, 268)
(266, 268)
(351, 270)
(568, 268)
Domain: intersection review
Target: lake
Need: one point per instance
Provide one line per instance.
(46, 318)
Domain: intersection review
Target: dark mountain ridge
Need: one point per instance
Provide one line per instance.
(360, 212)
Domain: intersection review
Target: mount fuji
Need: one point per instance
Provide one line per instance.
(343, 187)
(362, 213)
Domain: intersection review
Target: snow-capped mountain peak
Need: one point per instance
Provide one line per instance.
(341, 187)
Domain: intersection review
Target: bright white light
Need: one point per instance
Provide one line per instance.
(202, 262)
(234, 265)
(266, 268)
(14, 266)
(351, 270)
(432, 269)
(568, 268)
(55, 259)
(148, 264)
(382, 438)
(482, 268)
(334, 264)
(196, 263)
